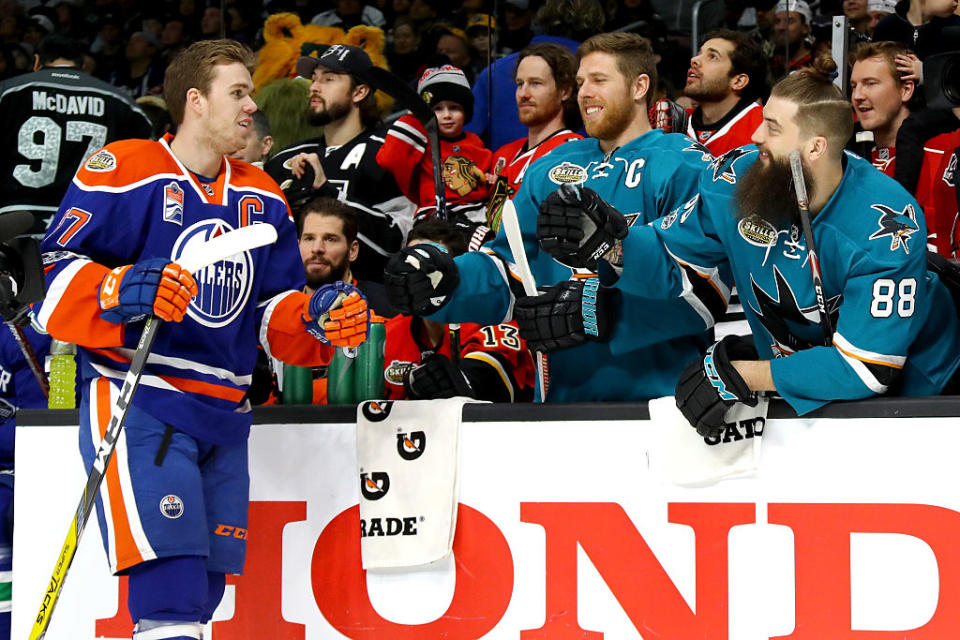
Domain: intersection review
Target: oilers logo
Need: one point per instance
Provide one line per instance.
(223, 288)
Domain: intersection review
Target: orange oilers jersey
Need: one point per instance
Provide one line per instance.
(134, 200)
(497, 346)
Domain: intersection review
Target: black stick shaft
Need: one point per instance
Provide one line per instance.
(803, 203)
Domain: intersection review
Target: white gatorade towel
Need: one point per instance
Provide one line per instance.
(408, 457)
(681, 456)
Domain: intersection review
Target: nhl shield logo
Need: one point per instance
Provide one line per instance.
(223, 288)
(173, 203)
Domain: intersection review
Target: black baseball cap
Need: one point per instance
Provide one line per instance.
(341, 58)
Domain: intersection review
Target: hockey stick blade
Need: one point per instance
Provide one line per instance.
(511, 227)
(195, 258)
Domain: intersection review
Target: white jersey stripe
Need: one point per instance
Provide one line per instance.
(265, 321)
(126, 490)
(845, 345)
(188, 365)
(104, 493)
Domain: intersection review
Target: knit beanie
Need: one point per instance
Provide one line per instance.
(446, 83)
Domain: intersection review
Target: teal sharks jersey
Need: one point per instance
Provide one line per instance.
(895, 325)
(645, 179)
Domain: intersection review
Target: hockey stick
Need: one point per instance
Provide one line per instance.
(195, 257)
(32, 361)
(803, 203)
(511, 227)
(392, 85)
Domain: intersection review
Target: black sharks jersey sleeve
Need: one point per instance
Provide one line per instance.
(53, 120)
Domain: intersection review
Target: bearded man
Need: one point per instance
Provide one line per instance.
(727, 78)
(342, 163)
(594, 352)
(879, 323)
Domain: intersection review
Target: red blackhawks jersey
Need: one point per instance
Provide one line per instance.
(498, 346)
(406, 155)
(134, 200)
(938, 211)
(733, 130)
(512, 159)
(944, 226)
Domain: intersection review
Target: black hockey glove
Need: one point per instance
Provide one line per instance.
(565, 315)
(436, 377)
(710, 385)
(420, 279)
(577, 227)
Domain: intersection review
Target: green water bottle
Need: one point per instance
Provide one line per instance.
(63, 375)
(297, 384)
(340, 383)
(368, 377)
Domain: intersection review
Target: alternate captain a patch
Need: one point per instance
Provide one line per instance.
(897, 225)
(173, 203)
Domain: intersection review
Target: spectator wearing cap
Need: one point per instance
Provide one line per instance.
(481, 32)
(38, 27)
(349, 14)
(517, 19)
(465, 161)
(877, 10)
(341, 163)
(790, 32)
(563, 22)
(140, 74)
(402, 53)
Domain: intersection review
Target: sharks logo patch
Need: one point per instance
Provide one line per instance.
(723, 166)
(896, 225)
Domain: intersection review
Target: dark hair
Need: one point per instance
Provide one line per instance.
(193, 68)
(571, 19)
(261, 124)
(325, 206)
(747, 58)
(56, 46)
(369, 109)
(822, 109)
(564, 68)
(442, 232)
(633, 53)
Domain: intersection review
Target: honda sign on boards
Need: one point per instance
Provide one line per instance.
(848, 532)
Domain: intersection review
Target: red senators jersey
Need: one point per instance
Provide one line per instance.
(734, 130)
(465, 161)
(497, 346)
(511, 160)
(134, 200)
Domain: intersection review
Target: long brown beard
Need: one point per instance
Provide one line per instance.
(767, 193)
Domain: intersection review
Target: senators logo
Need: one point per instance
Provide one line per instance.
(411, 447)
(376, 410)
(375, 485)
